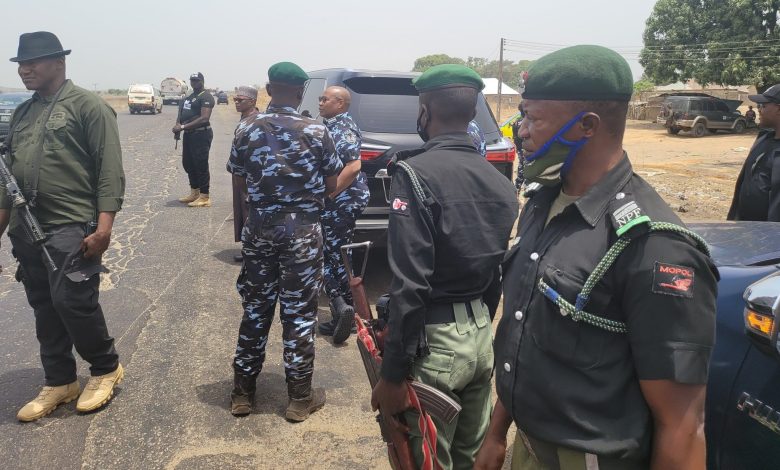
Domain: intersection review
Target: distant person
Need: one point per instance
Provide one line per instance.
(478, 137)
(757, 192)
(246, 104)
(76, 191)
(750, 116)
(193, 120)
(518, 141)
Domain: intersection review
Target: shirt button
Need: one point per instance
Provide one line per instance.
(518, 315)
(507, 367)
(620, 196)
(534, 256)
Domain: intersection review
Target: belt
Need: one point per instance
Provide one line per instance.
(444, 313)
(198, 129)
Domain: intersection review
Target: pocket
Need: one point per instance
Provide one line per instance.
(573, 342)
(435, 369)
(55, 134)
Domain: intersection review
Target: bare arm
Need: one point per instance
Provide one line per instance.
(678, 415)
(493, 450)
(97, 243)
(330, 184)
(347, 176)
(200, 121)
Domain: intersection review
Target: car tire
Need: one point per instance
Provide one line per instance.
(739, 127)
(699, 129)
(673, 130)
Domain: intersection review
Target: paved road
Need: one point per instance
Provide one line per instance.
(172, 307)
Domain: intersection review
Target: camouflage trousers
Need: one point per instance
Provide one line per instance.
(338, 223)
(282, 260)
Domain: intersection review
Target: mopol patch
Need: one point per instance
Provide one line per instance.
(671, 279)
(400, 206)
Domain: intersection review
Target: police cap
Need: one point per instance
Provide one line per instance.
(287, 73)
(447, 76)
(580, 73)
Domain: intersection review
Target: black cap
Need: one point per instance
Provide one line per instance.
(38, 45)
(196, 76)
(771, 95)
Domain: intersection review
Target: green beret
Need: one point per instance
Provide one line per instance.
(287, 73)
(580, 73)
(446, 76)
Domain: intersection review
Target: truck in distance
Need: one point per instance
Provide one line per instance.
(174, 90)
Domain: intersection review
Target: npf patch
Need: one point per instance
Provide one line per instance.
(349, 136)
(400, 205)
(671, 279)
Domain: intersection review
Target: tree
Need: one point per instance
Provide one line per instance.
(730, 42)
(643, 85)
(424, 63)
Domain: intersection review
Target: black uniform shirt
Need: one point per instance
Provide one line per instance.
(577, 385)
(191, 106)
(757, 192)
(452, 258)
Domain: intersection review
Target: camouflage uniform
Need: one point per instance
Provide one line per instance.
(284, 158)
(478, 137)
(340, 214)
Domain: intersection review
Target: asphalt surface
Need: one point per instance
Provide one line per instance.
(171, 304)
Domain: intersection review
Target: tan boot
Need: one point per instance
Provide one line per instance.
(202, 201)
(48, 400)
(194, 194)
(99, 390)
(304, 400)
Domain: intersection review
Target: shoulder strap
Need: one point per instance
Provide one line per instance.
(35, 170)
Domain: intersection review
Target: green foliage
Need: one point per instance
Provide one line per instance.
(732, 42)
(644, 85)
(484, 67)
(116, 91)
(424, 63)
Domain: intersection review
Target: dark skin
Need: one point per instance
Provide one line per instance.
(769, 117)
(46, 76)
(205, 113)
(677, 409)
(335, 100)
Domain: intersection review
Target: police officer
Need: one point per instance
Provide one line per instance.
(289, 165)
(601, 354)
(519, 179)
(65, 154)
(193, 121)
(477, 137)
(246, 104)
(450, 221)
(757, 192)
(342, 208)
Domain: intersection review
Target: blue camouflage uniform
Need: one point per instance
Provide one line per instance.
(478, 137)
(285, 158)
(340, 214)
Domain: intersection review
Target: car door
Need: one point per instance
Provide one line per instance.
(727, 118)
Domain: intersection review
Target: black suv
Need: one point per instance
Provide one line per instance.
(384, 106)
(699, 113)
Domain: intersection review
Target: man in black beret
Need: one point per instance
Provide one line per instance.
(450, 220)
(65, 155)
(609, 317)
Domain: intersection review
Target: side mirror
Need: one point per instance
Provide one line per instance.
(762, 314)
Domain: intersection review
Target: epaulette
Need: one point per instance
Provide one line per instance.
(402, 155)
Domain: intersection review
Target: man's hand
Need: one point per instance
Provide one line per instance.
(96, 244)
(177, 128)
(492, 453)
(391, 398)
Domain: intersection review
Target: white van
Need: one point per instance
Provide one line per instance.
(144, 97)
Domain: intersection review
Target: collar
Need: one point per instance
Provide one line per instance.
(453, 138)
(271, 109)
(66, 87)
(593, 204)
(339, 117)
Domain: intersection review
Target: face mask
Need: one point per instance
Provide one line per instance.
(421, 130)
(546, 165)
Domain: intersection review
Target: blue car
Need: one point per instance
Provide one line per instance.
(743, 392)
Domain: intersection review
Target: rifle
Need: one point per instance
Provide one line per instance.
(32, 228)
(176, 138)
(426, 400)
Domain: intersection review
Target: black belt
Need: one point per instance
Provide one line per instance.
(198, 129)
(443, 313)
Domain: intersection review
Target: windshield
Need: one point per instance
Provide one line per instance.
(12, 99)
(141, 89)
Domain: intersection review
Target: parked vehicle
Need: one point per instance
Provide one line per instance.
(173, 90)
(384, 106)
(699, 113)
(743, 393)
(144, 97)
(9, 102)
(222, 97)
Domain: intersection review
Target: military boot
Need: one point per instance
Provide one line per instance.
(202, 201)
(194, 194)
(344, 316)
(99, 390)
(48, 400)
(303, 400)
(242, 398)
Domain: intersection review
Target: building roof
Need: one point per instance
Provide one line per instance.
(491, 87)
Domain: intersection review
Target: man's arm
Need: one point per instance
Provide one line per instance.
(330, 184)
(346, 177)
(96, 244)
(493, 450)
(200, 121)
(678, 416)
(773, 215)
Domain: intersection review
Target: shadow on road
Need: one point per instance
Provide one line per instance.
(226, 256)
(270, 398)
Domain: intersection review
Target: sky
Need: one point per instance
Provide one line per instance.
(234, 42)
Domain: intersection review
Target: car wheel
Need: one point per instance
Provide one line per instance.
(673, 130)
(699, 129)
(739, 127)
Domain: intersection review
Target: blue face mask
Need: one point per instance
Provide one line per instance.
(546, 165)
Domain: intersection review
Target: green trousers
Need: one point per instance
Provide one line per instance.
(562, 458)
(460, 365)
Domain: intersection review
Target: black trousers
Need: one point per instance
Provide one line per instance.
(195, 158)
(67, 313)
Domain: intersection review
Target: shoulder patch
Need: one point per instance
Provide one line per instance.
(349, 136)
(400, 206)
(627, 216)
(671, 279)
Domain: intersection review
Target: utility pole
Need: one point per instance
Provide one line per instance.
(500, 78)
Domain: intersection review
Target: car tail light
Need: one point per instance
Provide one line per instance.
(369, 155)
(501, 156)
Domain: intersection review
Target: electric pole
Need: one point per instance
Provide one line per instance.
(500, 78)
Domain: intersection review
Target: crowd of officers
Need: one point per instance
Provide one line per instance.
(601, 353)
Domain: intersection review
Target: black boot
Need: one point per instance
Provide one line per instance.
(344, 316)
(243, 395)
(303, 400)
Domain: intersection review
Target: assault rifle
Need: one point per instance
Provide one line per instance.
(426, 400)
(32, 228)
